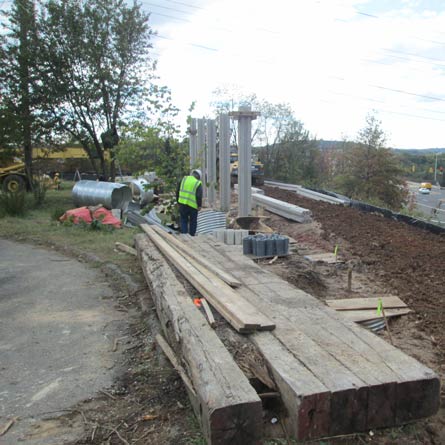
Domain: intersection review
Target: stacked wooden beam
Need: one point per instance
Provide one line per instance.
(289, 211)
(333, 376)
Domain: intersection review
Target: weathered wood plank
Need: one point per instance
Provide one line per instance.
(124, 248)
(208, 313)
(350, 304)
(239, 313)
(190, 251)
(229, 409)
(371, 314)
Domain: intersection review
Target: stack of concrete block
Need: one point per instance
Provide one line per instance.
(289, 211)
(230, 236)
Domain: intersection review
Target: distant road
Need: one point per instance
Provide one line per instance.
(426, 204)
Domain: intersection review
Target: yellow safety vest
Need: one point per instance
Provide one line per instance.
(187, 191)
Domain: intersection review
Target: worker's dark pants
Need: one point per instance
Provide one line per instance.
(189, 219)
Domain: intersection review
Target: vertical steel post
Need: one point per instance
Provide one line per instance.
(224, 161)
(244, 116)
(211, 162)
(201, 158)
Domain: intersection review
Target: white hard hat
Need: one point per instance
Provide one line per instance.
(198, 172)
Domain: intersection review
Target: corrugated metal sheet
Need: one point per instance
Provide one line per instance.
(210, 220)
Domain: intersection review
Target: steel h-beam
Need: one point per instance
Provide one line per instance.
(224, 161)
(201, 159)
(244, 116)
(211, 162)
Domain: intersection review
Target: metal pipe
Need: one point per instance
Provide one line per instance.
(110, 194)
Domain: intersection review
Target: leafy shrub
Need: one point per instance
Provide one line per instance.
(12, 203)
(39, 188)
(57, 213)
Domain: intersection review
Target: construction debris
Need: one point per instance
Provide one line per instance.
(124, 248)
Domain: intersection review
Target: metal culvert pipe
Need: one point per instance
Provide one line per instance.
(141, 192)
(110, 194)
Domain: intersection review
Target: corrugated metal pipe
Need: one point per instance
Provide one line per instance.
(110, 194)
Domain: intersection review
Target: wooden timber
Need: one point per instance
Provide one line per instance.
(190, 251)
(351, 304)
(241, 314)
(227, 406)
(371, 383)
(208, 312)
(371, 314)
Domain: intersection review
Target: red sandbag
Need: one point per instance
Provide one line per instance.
(82, 213)
(106, 217)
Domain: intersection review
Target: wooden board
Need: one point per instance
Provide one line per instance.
(351, 304)
(327, 257)
(238, 312)
(371, 314)
(188, 250)
(225, 403)
(208, 312)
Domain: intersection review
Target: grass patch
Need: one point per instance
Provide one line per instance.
(40, 226)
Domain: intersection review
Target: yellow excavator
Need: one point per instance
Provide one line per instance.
(257, 169)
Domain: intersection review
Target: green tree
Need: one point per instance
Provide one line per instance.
(152, 148)
(370, 171)
(18, 122)
(95, 65)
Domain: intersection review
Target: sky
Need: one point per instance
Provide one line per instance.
(333, 61)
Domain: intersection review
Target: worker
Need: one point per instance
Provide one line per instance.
(189, 197)
(57, 181)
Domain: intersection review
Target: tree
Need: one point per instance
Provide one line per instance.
(18, 122)
(95, 66)
(370, 170)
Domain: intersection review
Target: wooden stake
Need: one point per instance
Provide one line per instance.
(208, 312)
(349, 279)
(168, 351)
(387, 325)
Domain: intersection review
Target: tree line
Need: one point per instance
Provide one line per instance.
(78, 71)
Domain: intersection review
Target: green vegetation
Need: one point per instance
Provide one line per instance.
(12, 204)
(39, 226)
(369, 171)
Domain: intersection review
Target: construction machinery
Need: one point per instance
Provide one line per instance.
(257, 169)
(14, 178)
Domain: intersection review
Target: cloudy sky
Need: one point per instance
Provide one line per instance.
(333, 61)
